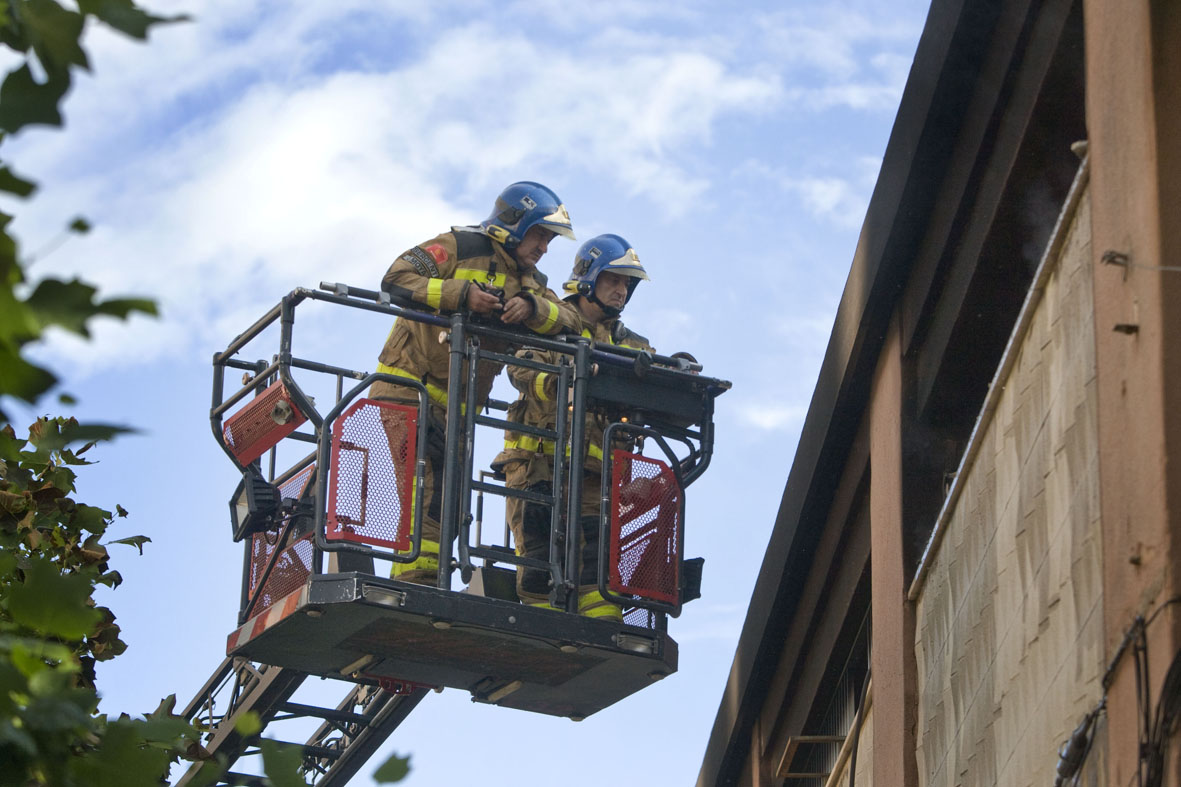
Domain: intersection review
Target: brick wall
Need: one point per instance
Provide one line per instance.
(1009, 617)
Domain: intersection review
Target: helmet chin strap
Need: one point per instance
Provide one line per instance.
(608, 311)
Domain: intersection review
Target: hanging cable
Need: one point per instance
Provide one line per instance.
(1154, 730)
(1074, 752)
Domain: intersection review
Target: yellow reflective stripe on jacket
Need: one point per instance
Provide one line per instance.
(496, 280)
(593, 604)
(610, 340)
(536, 445)
(551, 320)
(433, 391)
(530, 443)
(434, 293)
(539, 386)
(427, 560)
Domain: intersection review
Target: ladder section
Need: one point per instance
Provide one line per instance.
(343, 735)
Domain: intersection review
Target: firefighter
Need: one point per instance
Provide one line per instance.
(490, 270)
(606, 272)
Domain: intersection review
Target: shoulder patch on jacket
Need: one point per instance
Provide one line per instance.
(423, 263)
(471, 242)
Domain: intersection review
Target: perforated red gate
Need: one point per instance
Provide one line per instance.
(371, 486)
(645, 528)
(261, 424)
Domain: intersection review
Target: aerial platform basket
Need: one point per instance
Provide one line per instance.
(311, 599)
(362, 627)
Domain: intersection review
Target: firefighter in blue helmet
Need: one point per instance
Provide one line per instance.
(605, 275)
(491, 270)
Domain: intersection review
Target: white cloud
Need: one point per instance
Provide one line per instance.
(289, 175)
(803, 331)
(842, 57)
(831, 198)
(771, 415)
(836, 191)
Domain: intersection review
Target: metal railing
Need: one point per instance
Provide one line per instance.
(590, 376)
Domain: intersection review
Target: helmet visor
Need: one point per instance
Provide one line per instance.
(627, 265)
(558, 222)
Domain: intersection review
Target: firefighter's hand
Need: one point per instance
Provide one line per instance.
(518, 309)
(482, 302)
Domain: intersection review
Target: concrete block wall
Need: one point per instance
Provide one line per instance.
(1009, 638)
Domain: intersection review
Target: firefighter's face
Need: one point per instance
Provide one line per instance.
(611, 289)
(533, 246)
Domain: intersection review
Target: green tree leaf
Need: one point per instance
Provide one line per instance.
(74, 432)
(68, 305)
(53, 603)
(25, 102)
(22, 379)
(281, 763)
(126, 17)
(248, 724)
(122, 760)
(124, 307)
(15, 184)
(53, 32)
(395, 769)
(135, 541)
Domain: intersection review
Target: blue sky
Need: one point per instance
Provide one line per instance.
(271, 145)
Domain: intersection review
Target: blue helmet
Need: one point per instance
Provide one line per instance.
(523, 205)
(604, 253)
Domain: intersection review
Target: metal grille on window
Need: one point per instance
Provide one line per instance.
(815, 754)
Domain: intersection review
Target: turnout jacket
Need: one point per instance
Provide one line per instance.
(437, 275)
(535, 406)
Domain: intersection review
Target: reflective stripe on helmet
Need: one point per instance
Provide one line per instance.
(559, 222)
(628, 265)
